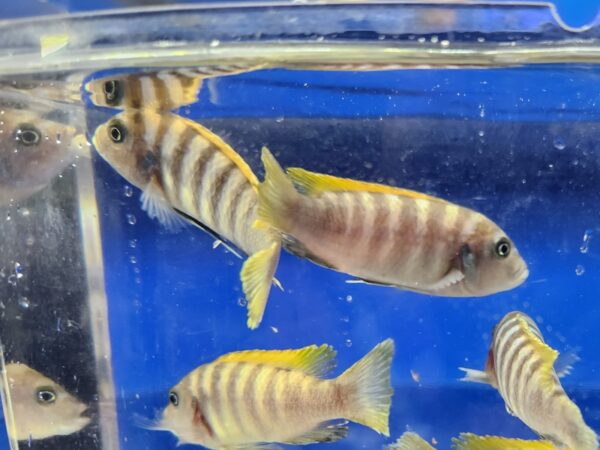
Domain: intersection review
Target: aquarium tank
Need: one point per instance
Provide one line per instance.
(259, 225)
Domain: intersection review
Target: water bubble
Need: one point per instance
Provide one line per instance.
(275, 330)
(25, 212)
(434, 39)
(24, 303)
(481, 40)
(133, 243)
(215, 43)
(12, 280)
(482, 111)
(242, 302)
(29, 241)
(279, 119)
(133, 259)
(349, 298)
(481, 133)
(131, 220)
(445, 43)
(18, 270)
(128, 191)
(348, 342)
(136, 270)
(579, 270)
(585, 245)
(421, 40)
(559, 143)
(138, 280)
(58, 141)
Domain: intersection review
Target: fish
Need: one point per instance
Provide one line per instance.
(387, 235)
(159, 90)
(410, 441)
(186, 170)
(525, 371)
(34, 149)
(250, 398)
(40, 407)
(469, 441)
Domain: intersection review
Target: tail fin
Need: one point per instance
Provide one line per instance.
(410, 441)
(257, 276)
(371, 391)
(275, 193)
(475, 376)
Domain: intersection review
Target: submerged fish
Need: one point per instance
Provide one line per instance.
(40, 407)
(180, 165)
(245, 399)
(387, 235)
(159, 90)
(34, 149)
(523, 369)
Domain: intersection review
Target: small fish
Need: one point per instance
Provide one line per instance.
(387, 235)
(245, 399)
(523, 369)
(182, 166)
(468, 441)
(34, 149)
(410, 441)
(160, 90)
(40, 407)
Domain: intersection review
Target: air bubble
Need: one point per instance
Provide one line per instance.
(25, 212)
(349, 298)
(585, 245)
(579, 270)
(133, 259)
(24, 303)
(18, 270)
(559, 144)
(275, 330)
(445, 43)
(481, 133)
(128, 191)
(58, 140)
(133, 243)
(348, 342)
(29, 241)
(12, 280)
(434, 39)
(131, 220)
(242, 302)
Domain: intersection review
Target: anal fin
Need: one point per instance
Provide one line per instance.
(331, 432)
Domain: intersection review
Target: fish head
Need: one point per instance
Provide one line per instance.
(490, 261)
(184, 416)
(42, 408)
(125, 143)
(35, 146)
(109, 91)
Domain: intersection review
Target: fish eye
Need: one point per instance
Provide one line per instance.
(503, 248)
(27, 134)
(112, 91)
(45, 396)
(116, 131)
(173, 398)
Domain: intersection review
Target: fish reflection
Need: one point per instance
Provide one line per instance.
(41, 408)
(387, 235)
(160, 90)
(246, 398)
(34, 149)
(526, 371)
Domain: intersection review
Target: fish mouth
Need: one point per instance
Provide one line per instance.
(521, 274)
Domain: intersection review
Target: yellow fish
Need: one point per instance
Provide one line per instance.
(249, 398)
(159, 90)
(40, 407)
(387, 235)
(182, 166)
(522, 367)
(34, 149)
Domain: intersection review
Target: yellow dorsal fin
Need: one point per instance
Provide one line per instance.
(546, 353)
(227, 150)
(312, 360)
(314, 183)
(468, 441)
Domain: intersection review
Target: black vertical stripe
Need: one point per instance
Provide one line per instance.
(217, 190)
(231, 397)
(215, 393)
(199, 178)
(179, 152)
(234, 205)
(162, 94)
(249, 395)
(133, 92)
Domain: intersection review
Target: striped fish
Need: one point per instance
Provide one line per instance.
(245, 399)
(522, 367)
(182, 166)
(159, 90)
(388, 235)
(35, 147)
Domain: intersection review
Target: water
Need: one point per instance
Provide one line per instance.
(117, 309)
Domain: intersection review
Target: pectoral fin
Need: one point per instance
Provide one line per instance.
(451, 278)
(157, 207)
(324, 433)
(564, 363)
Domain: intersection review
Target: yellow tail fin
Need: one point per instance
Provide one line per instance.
(275, 194)
(369, 382)
(410, 441)
(257, 276)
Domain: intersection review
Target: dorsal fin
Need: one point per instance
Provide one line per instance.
(546, 353)
(469, 441)
(313, 183)
(227, 150)
(312, 360)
